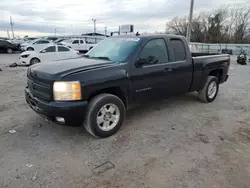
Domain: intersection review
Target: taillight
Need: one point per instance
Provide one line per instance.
(78, 53)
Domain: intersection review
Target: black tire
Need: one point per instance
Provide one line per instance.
(9, 50)
(90, 122)
(203, 94)
(34, 61)
(30, 49)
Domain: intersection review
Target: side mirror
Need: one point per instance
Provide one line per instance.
(140, 62)
(146, 61)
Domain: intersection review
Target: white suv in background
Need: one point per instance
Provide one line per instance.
(36, 45)
(78, 44)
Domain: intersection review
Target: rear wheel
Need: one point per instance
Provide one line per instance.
(9, 50)
(34, 61)
(105, 115)
(210, 90)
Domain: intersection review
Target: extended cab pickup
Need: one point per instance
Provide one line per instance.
(121, 71)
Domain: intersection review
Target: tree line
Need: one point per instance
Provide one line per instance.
(223, 25)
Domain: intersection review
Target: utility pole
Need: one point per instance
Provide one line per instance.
(11, 25)
(55, 31)
(94, 20)
(189, 29)
(105, 30)
(8, 34)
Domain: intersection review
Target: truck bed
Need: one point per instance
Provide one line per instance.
(203, 63)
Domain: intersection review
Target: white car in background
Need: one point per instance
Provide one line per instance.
(78, 44)
(50, 53)
(37, 45)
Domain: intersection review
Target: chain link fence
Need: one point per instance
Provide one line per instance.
(233, 49)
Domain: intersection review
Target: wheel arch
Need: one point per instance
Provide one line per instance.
(117, 91)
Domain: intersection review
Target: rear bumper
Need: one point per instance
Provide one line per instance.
(72, 112)
(224, 79)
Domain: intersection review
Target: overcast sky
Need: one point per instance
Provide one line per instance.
(42, 17)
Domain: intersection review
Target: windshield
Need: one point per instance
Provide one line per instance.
(67, 40)
(113, 49)
(32, 41)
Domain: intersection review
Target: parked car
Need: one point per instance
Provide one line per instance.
(119, 73)
(50, 53)
(37, 44)
(4, 38)
(78, 44)
(51, 38)
(16, 42)
(8, 47)
(29, 38)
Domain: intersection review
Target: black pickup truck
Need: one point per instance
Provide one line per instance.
(97, 89)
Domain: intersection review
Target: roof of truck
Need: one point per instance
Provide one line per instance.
(147, 36)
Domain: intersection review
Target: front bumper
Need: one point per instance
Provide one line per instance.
(72, 112)
(22, 48)
(24, 61)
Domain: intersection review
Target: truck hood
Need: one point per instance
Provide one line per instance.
(56, 70)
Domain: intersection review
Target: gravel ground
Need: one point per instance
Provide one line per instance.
(179, 142)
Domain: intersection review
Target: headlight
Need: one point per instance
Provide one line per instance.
(67, 91)
(25, 56)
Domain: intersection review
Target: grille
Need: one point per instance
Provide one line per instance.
(39, 88)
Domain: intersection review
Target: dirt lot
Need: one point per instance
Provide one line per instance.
(178, 142)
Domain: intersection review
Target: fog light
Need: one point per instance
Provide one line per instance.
(60, 119)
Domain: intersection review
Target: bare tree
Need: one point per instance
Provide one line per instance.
(178, 26)
(226, 24)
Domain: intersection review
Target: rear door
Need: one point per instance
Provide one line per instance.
(64, 53)
(48, 54)
(182, 65)
(150, 80)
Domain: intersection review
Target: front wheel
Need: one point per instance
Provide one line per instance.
(34, 61)
(210, 90)
(105, 115)
(9, 50)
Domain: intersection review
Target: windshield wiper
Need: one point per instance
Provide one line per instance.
(104, 58)
(85, 55)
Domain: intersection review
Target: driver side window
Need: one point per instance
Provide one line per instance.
(154, 52)
(75, 42)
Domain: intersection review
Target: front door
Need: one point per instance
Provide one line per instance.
(75, 45)
(152, 78)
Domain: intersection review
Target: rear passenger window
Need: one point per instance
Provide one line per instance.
(178, 49)
(155, 49)
(81, 41)
(75, 42)
(62, 49)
